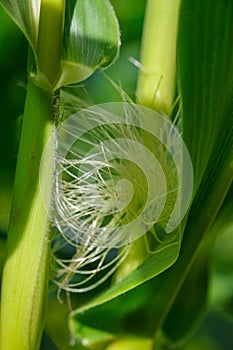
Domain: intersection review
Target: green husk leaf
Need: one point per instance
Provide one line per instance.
(25, 14)
(89, 41)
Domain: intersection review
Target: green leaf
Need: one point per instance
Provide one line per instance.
(115, 298)
(25, 13)
(191, 309)
(95, 339)
(91, 39)
(221, 287)
(191, 302)
(205, 77)
(132, 311)
(152, 266)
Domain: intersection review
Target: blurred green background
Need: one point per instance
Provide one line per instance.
(216, 330)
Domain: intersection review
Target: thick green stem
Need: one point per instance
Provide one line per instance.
(50, 39)
(25, 275)
(157, 78)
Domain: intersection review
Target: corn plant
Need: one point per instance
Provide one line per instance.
(117, 206)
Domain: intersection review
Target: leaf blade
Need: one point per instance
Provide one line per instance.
(25, 14)
(205, 71)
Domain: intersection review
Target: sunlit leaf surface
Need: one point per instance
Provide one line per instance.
(91, 39)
